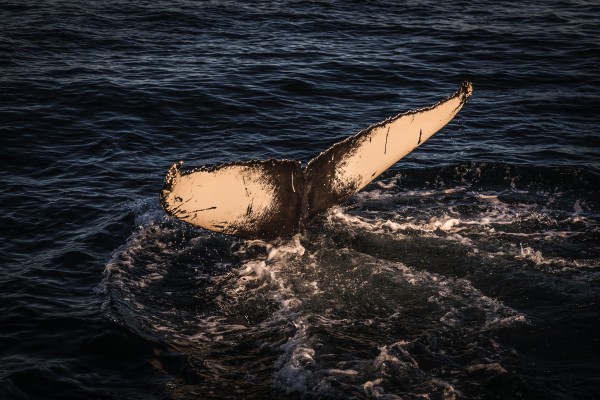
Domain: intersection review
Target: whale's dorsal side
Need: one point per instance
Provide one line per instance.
(274, 198)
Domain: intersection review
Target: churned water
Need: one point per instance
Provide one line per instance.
(470, 270)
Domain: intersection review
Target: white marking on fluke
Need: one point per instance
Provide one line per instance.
(275, 198)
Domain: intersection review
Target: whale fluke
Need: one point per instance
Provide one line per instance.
(275, 198)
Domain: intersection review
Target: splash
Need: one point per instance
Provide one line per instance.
(394, 295)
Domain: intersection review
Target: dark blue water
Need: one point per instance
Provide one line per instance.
(470, 270)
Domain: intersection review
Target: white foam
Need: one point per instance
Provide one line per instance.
(487, 198)
(290, 280)
(373, 195)
(396, 361)
(386, 357)
(255, 271)
(443, 223)
(533, 255)
(536, 256)
(495, 368)
(293, 366)
(387, 185)
(297, 369)
(346, 372)
(336, 214)
(578, 207)
(285, 250)
(448, 224)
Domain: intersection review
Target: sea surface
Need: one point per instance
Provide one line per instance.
(469, 270)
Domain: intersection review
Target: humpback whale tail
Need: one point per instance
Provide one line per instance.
(274, 198)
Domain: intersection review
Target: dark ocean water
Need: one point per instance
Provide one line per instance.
(470, 270)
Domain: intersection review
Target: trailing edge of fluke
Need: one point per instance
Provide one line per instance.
(275, 198)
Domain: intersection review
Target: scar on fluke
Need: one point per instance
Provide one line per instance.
(386, 139)
(277, 198)
(293, 188)
(204, 209)
(246, 187)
